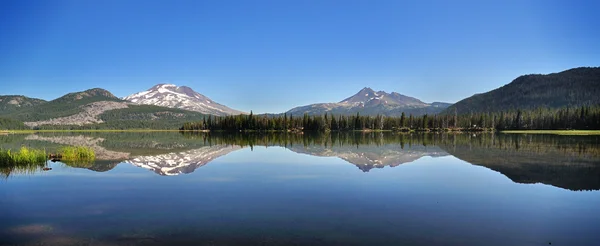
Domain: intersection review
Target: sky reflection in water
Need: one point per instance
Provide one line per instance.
(320, 195)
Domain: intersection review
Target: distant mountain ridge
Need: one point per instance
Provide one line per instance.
(95, 107)
(370, 102)
(181, 97)
(18, 102)
(169, 106)
(66, 105)
(574, 87)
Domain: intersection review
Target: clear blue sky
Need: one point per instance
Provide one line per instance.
(269, 56)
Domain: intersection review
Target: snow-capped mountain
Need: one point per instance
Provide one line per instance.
(368, 97)
(181, 162)
(370, 102)
(182, 97)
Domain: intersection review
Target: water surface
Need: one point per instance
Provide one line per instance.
(335, 189)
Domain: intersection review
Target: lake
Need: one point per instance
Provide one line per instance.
(171, 188)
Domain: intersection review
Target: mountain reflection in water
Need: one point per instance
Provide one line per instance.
(569, 162)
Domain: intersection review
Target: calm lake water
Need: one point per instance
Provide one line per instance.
(340, 189)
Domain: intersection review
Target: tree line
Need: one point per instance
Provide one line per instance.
(585, 117)
(12, 124)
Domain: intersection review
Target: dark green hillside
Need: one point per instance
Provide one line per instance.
(91, 93)
(573, 88)
(60, 107)
(12, 103)
(10, 124)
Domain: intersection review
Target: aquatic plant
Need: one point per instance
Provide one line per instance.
(77, 154)
(24, 161)
(23, 156)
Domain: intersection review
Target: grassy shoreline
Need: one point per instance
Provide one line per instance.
(457, 130)
(128, 130)
(555, 132)
(27, 156)
(22, 156)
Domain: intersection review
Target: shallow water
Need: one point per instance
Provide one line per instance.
(337, 189)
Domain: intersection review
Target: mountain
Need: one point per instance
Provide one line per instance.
(12, 103)
(574, 87)
(181, 97)
(69, 104)
(369, 102)
(97, 109)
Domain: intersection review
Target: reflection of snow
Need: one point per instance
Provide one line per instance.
(182, 162)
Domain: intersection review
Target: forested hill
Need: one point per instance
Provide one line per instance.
(13, 103)
(574, 87)
(66, 105)
(91, 109)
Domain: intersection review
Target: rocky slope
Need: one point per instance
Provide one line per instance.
(370, 102)
(181, 97)
(88, 115)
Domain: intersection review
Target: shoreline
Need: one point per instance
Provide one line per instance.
(127, 130)
(554, 132)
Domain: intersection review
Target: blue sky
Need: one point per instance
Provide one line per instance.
(269, 56)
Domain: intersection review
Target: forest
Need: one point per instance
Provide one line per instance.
(6, 123)
(583, 118)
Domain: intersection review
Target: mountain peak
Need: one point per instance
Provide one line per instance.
(95, 92)
(163, 85)
(182, 97)
(361, 96)
(369, 102)
(99, 92)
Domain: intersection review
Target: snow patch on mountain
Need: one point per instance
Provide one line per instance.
(181, 97)
(369, 102)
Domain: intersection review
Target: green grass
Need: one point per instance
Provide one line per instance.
(107, 130)
(27, 160)
(555, 132)
(77, 154)
(24, 161)
(23, 156)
